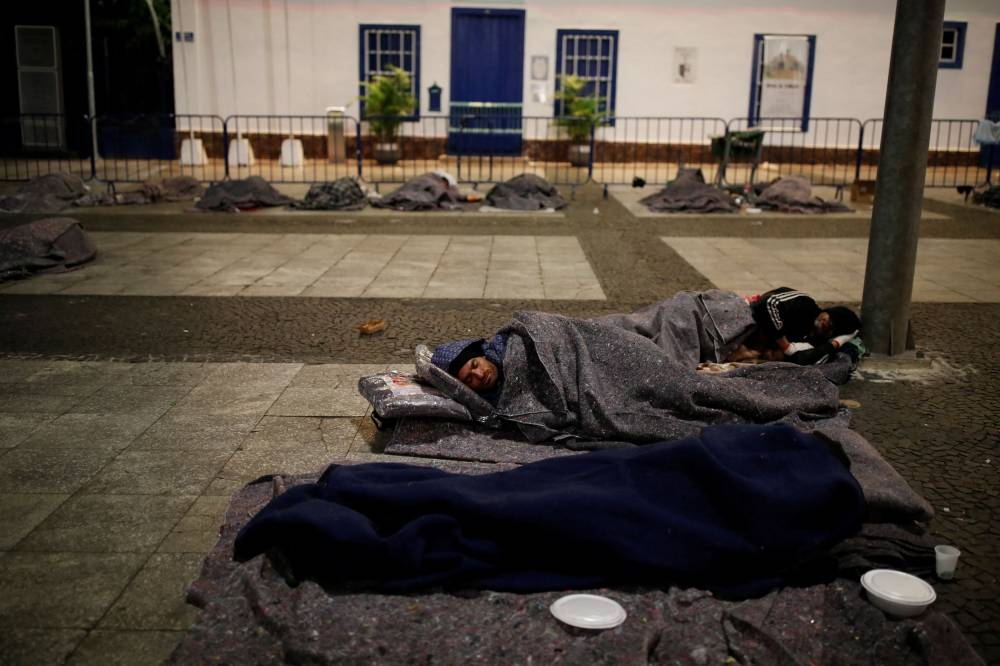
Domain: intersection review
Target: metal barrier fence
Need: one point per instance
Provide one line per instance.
(652, 149)
(36, 144)
(476, 147)
(953, 157)
(133, 148)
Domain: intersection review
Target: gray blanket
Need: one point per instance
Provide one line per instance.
(235, 195)
(45, 194)
(252, 616)
(51, 244)
(425, 192)
(689, 193)
(793, 194)
(342, 194)
(525, 192)
(599, 381)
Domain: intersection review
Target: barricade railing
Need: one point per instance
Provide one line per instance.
(652, 149)
(37, 144)
(953, 157)
(292, 149)
(476, 146)
(825, 152)
(133, 148)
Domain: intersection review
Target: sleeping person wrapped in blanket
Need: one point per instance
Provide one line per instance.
(634, 377)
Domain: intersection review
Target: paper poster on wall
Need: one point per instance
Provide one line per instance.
(539, 92)
(784, 72)
(685, 64)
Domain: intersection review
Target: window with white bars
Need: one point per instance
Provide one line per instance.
(39, 86)
(591, 55)
(383, 47)
(952, 45)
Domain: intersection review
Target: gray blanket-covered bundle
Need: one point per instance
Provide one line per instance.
(252, 616)
(52, 244)
(174, 188)
(429, 191)
(989, 197)
(236, 195)
(525, 192)
(50, 193)
(635, 377)
(793, 194)
(342, 194)
(689, 193)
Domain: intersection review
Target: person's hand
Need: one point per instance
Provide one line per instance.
(796, 347)
(842, 340)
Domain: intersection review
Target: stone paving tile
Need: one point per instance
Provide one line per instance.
(177, 472)
(154, 599)
(24, 403)
(330, 375)
(125, 648)
(15, 370)
(107, 523)
(164, 374)
(310, 401)
(108, 432)
(50, 470)
(15, 428)
(21, 513)
(145, 400)
(199, 529)
(221, 400)
(62, 590)
(195, 431)
(38, 647)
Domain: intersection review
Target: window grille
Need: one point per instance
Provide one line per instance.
(952, 45)
(383, 47)
(591, 55)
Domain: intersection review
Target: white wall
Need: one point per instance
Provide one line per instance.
(853, 39)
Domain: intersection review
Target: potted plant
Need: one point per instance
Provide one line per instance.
(580, 114)
(387, 99)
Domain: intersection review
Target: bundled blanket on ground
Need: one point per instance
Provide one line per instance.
(525, 192)
(990, 197)
(688, 193)
(793, 194)
(51, 244)
(342, 194)
(250, 615)
(738, 509)
(45, 194)
(430, 191)
(235, 195)
(596, 380)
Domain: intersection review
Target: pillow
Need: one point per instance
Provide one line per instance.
(450, 386)
(396, 394)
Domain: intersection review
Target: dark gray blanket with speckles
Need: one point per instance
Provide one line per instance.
(251, 616)
(605, 380)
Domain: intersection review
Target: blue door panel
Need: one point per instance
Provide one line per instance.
(487, 81)
(989, 156)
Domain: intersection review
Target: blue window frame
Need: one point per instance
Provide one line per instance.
(952, 45)
(593, 56)
(781, 77)
(381, 47)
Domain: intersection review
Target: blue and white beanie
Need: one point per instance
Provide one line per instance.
(451, 356)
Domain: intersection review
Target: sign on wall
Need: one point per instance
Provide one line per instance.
(782, 77)
(685, 64)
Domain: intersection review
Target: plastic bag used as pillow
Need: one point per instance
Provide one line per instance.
(479, 408)
(397, 394)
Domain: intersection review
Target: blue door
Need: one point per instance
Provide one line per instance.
(487, 81)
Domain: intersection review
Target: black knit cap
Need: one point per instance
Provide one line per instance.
(844, 320)
(452, 356)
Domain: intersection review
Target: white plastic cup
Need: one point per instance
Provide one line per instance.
(945, 560)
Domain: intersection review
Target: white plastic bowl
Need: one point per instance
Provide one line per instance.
(897, 593)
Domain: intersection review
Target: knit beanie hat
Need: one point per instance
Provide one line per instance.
(451, 356)
(844, 320)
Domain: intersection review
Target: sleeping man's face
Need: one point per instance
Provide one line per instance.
(479, 374)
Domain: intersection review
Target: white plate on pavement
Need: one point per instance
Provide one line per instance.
(588, 611)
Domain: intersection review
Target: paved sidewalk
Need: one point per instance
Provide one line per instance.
(114, 475)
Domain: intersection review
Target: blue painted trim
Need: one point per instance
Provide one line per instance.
(363, 66)
(959, 28)
(993, 94)
(613, 96)
(753, 113)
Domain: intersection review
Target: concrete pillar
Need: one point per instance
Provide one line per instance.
(892, 242)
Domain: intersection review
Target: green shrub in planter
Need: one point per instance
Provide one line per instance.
(387, 100)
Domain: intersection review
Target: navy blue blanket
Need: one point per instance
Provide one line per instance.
(736, 509)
